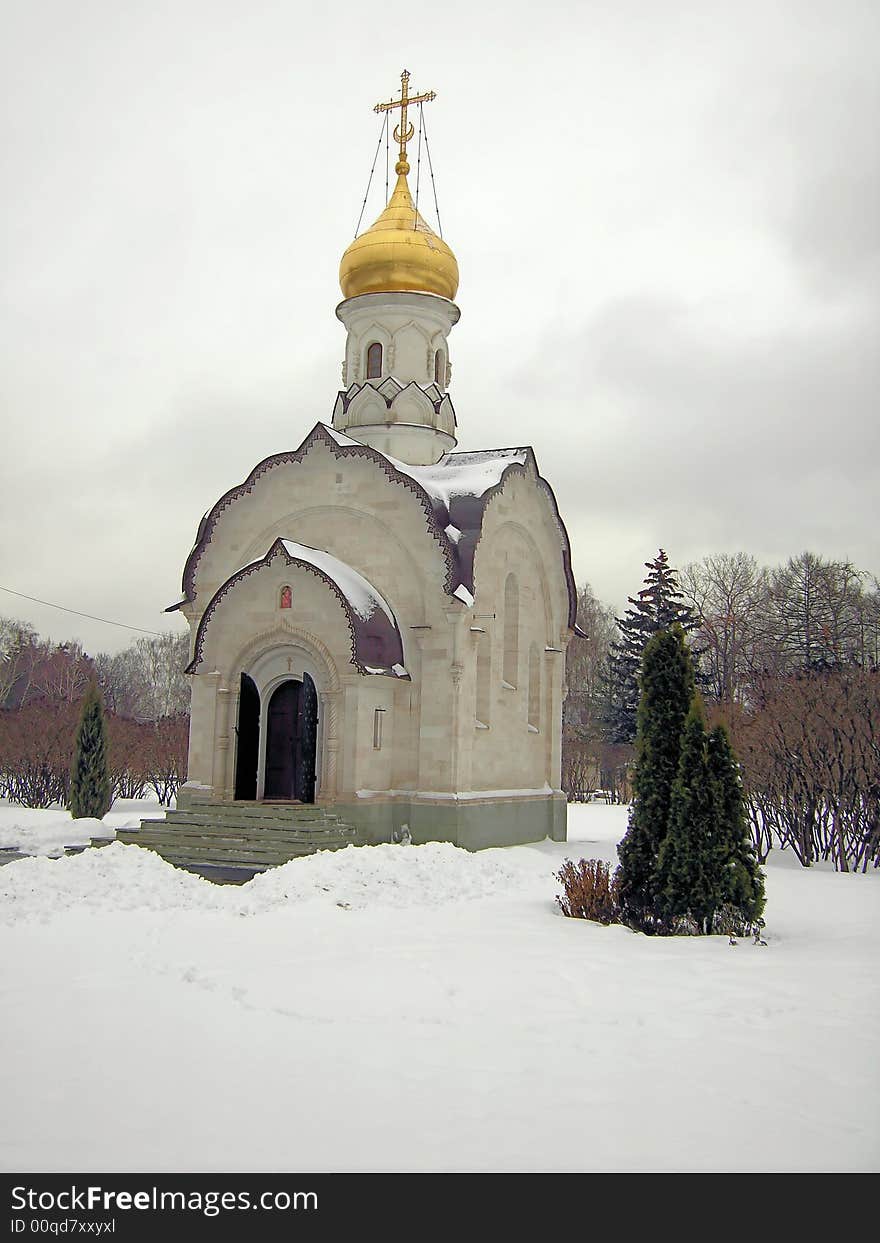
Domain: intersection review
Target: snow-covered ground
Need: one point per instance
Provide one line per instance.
(47, 832)
(419, 1008)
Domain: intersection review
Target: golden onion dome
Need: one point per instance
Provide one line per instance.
(399, 252)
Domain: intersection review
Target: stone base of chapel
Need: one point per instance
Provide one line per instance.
(472, 823)
(211, 836)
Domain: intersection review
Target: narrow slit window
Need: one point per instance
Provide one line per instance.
(484, 666)
(511, 631)
(534, 688)
(374, 361)
(439, 367)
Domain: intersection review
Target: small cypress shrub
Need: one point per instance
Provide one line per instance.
(742, 881)
(589, 891)
(691, 859)
(89, 779)
(667, 687)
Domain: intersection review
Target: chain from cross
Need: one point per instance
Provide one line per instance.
(405, 130)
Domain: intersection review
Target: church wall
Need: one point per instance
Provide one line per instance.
(467, 749)
(436, 713)
(251, 609)
(200, 770)
(470, 823)
(405, 727)
(346, 507)
(248, 630)
(520, 749)
(409, 326)
(418, 445)
(373, 722)
(430, 744)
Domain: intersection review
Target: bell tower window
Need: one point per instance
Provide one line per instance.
(374, 361)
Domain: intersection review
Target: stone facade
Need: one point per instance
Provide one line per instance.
(425, 595)
(472, 717)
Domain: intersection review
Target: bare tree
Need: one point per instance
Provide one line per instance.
(583, 728)
(811, 765)
(17, 639)
(817, 614)
(729, 594)
(146, 681)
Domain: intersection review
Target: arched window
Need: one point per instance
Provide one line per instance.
(439, 368)
(511, 630)
(484, 668)
(374, 361)
(534, 688)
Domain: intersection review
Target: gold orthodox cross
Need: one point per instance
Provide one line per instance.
(405, 130)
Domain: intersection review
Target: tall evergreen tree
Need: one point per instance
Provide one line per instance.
(667, 690)
(690, 866)
(658, 606)
(90, 782)
(742, 881)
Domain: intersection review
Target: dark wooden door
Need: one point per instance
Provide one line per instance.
(306, 744)
(282, 726)
(248, 739)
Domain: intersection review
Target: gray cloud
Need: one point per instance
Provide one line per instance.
(666, 221)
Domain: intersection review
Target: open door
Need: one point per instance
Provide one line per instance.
(291, 739)
(247, 755)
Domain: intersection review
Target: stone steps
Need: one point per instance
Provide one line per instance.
(214, 838)
(256, 811)
(10, 854)
(246, 854)
(224, 837)
(249, 824)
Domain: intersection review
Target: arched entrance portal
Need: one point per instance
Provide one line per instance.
(291, 738)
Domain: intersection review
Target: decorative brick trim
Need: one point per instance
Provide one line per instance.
(544, 487)
(276, 549)
(318, 433)
(459, 558)
(281, 634)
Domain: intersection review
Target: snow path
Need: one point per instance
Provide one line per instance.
(168, 1024)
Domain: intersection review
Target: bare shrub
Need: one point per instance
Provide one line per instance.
(128, 763)
(589, 891)
(36, 752)
(811, 766)
(166, 756)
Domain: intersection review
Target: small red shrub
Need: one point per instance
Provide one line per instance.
(589, 891)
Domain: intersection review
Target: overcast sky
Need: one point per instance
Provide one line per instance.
(666, 217)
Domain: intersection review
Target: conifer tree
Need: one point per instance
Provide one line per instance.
(742, 881)
(690, 866)
(658, 606)
(667, 686)
(90, 783)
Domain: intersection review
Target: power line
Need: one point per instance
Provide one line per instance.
(382, 131)
(433, 182)
(106, 620)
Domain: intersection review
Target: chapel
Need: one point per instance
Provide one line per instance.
(379, 621)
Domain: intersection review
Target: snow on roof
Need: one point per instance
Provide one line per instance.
(467, 475)
(376, 642)
(463, 475)
(361, 595)
(454, 493)
(457, 489)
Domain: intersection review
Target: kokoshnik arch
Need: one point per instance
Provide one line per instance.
(379, 622)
